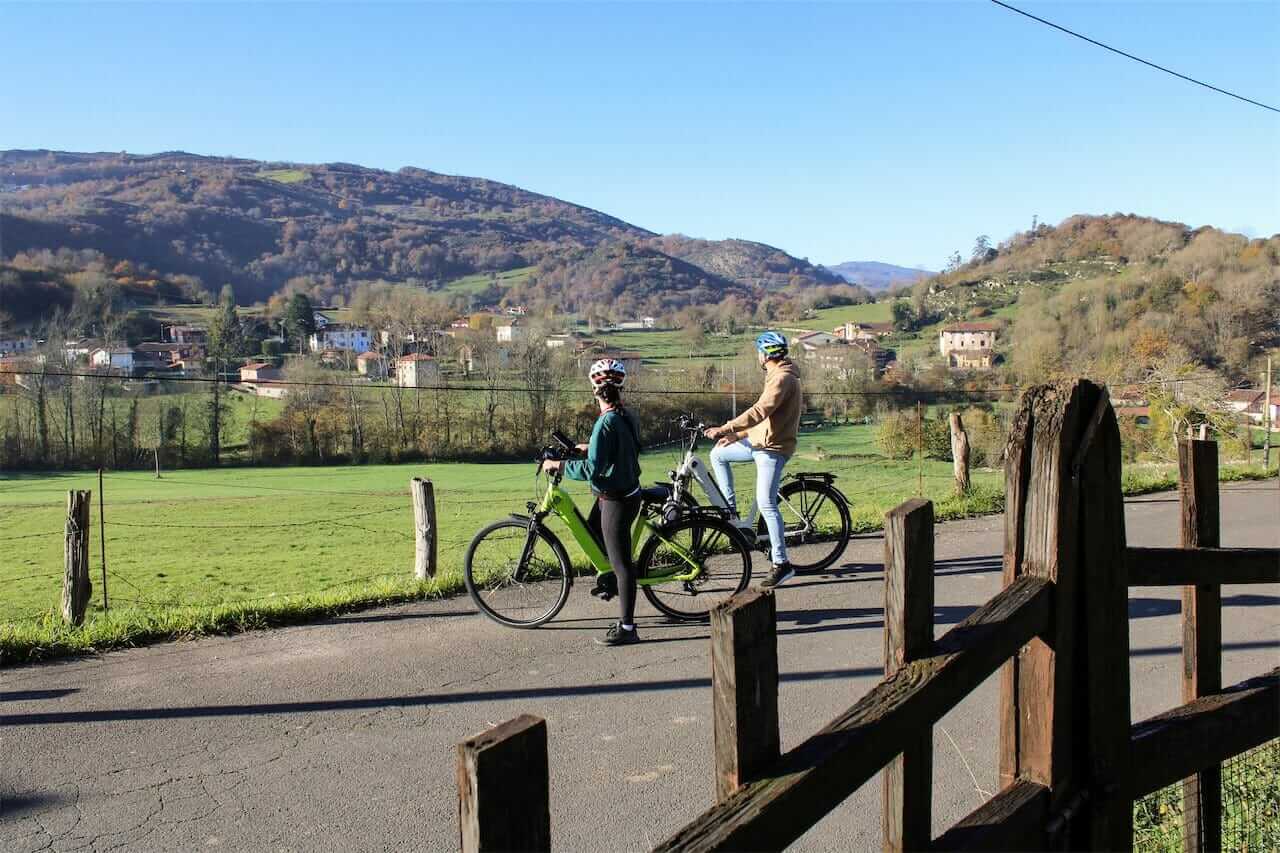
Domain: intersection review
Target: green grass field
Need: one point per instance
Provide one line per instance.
(827, 319)
(285, 176)
(248, 539)
(480, 281)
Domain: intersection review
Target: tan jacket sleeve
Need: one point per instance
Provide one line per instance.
(770, 398)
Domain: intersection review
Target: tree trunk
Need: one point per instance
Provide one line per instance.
(960, 454)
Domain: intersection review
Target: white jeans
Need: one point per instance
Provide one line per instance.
(769, 467)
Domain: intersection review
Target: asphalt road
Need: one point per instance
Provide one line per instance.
(340, 735)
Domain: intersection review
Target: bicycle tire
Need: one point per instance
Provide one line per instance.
(708, 538)
(793, 494)
(486, 605)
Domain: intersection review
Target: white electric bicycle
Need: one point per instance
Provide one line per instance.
(815, 513)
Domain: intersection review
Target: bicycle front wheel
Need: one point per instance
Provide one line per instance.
(713, 545)
(517, 574)
(816, 518)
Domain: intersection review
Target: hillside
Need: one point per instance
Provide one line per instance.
(1121, 297)
(746, 262)
(876, 276)
(631, 279)
(260, 226)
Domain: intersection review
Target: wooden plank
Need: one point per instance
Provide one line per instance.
(76, 587)
(1201, 634)
(1107, 821)
(744, 688)
(1012, 820)
(817, 775)
(424, 528)
(908, 618)
(504, 792)
(1183, 566)
(1168, 746)
(1043, 695)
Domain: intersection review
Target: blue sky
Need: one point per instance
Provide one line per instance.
(838, 131)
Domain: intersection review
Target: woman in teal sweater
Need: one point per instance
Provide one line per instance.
(612, 467)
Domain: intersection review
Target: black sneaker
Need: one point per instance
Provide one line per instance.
(780, 575)
(606, 587)
(619, 636)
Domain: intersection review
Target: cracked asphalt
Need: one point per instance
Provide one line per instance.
(340, 735)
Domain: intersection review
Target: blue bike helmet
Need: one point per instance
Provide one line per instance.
(772, 344)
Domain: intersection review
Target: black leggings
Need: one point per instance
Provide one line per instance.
(611, 522)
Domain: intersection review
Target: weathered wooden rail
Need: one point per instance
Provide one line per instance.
(1071, 762)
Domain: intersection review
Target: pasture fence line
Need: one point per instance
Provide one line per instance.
(1072, 763)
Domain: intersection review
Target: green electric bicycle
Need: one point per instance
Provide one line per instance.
(519, 573)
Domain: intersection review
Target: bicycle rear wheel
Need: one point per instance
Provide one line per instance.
(713, 544)
(815, 516)
(517, 576)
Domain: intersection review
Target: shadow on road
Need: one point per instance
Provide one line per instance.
(30, 695)
(424, 699)
(13, 806)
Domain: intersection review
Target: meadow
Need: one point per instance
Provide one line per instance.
(296, 539)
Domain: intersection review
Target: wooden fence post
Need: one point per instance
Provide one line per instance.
(1047, 695)
(1201, 634)
(960, 454)
(504, 788)
(744, 688)
(908, 636)
(424, 528)
(1105, 602)
(76, 587)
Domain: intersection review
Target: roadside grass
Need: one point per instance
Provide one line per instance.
(1250, 806)
(211, 551)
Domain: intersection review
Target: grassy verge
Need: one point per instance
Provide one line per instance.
(222, 551)
(1250, 807)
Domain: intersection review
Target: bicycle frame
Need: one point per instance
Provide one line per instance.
(560, 503)
(692, 469)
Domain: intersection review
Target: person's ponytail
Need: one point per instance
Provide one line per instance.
(609, 394)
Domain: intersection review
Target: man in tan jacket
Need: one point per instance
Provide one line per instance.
(765, 434)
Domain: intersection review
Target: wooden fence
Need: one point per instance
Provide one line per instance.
(1071, 761)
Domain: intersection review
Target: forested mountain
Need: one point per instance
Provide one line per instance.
(260, 226)
(1120, 297)
(877, 276)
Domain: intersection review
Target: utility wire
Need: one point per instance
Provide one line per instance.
(1137, 58)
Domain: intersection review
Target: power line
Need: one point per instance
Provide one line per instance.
(1137, 58)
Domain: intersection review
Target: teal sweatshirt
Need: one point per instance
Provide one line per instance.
(612, 466)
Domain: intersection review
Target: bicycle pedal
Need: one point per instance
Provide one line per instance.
(603, 594)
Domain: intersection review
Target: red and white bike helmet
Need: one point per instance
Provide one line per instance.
(607, 371)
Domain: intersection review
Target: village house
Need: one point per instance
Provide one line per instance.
(417, 370)
(340, 336)
(259, 371)
(510, 332)
(635, 325)
(467, 357)
(188, 334)
(852, 331)
(114, 359)
(517, 310)
(831, 352)
(372, 364)
(19, 370)
(968, 346)
(16, 345)
(263, 379)
(78, 349)
(320, 320)
(1250, 402)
